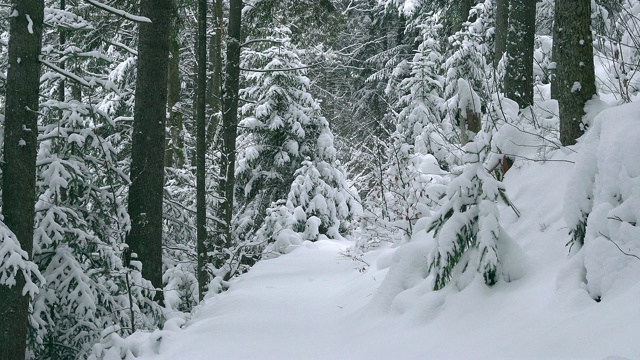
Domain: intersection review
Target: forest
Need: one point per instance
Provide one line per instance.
(162, 157)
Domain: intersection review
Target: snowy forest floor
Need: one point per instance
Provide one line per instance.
(316, 304)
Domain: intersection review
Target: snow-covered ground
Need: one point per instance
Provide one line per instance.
(315, 303)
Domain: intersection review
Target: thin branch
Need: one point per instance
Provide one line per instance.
(118, 12)
(249, 42)
(123, 46)
(281, 70)
(65, 73)
(619, 248)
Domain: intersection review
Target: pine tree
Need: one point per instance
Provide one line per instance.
(18, 172)
(80, 228)
(466, 228)
(147, 161)
(419, 134)
(574, 82)
(281, 126)
(518, 81)
(287, 150)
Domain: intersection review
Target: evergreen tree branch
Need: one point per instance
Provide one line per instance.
(117, 12)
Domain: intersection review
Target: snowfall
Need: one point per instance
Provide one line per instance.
(321, 301)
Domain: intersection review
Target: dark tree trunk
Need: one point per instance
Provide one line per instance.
(574, 82)
(147, 166)
(201, 139)
(214, 85)
(518, 79)
(19, 168)
(229, 125)
(62, 33)
(502, 23)
(456, 15)
(174, 155)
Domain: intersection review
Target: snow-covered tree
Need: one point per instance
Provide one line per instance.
(466, 228)
(419, 137)
(319, 202)
(78, 243)
(466, 84)
(602, 202)
(286, 148)
(283, 126)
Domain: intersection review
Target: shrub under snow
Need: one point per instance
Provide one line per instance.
(602, 204)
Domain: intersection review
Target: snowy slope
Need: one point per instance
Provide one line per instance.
(315, 304)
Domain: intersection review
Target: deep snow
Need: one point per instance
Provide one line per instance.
(315, 303)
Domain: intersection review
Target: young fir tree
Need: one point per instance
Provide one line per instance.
(78, 243)
(279, 128)
(286, 148)
(466, 228)
(419, 134)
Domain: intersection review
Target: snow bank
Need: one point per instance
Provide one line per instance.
(602, 204)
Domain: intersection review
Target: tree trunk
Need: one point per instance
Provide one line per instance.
(229, 125)
(502, 23)
(174, 155)
(147, 166)
(214, 86)
(19, 168)
(201, 139)
(456, 15)
(518, 79)
(62, 33)
(574, 83)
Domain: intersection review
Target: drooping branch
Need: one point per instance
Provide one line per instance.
(119, 12)
(282, 70)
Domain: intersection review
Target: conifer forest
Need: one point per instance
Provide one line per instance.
(319, 179)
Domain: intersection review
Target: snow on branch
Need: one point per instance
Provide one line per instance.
(123, 46)
(249, 42)
(65, 73)
(13, 260)
(119, 12)
(281, 70)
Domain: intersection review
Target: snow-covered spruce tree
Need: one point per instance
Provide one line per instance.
(466, 228)
(286, 149)
(278, 128)
(282, 127)
(78, 242)
(319, 202)
(419, 122)
(466, 76)
(411, 166)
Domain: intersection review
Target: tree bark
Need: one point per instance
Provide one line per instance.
(201, 140)
(229, 125)
(62, 33)
(19, 168)
(456, 15)
(502, 23)
(518, 79)
(174, 155)
(574, 82)
(214, 86)
(147, 166)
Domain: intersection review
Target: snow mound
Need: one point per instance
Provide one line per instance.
(602, 203)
